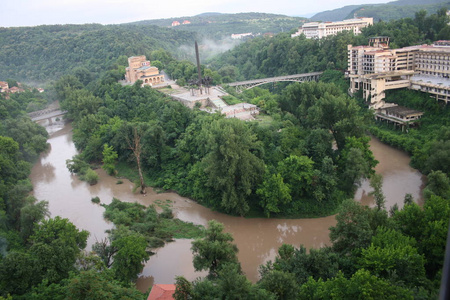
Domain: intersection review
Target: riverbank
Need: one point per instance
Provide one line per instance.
(258, 239)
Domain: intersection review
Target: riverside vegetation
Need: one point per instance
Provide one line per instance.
(44, 258)
(285, 165)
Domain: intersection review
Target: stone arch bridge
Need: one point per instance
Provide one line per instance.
(245, 85)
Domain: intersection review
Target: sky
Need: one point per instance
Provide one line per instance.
(14, 13)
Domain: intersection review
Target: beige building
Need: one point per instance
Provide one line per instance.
(376, 68)
(139, 68)
(319, 30)
(3, 86)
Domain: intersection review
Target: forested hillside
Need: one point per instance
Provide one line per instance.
(390, 11)
(283, 55)
(305, 157)
(219, 26)
(42, 53)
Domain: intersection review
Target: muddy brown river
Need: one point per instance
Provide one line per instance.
(257, 239)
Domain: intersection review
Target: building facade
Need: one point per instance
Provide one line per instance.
(319, 30)
(139, 68)
(376, 68)
(3, 86)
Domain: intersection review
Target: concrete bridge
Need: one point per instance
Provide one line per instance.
(244, 85)
(48, 113)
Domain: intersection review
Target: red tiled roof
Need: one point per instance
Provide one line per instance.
(162, 292)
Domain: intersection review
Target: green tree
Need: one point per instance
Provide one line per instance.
(133, 134)
(232, 164)
(297, 172)
(356, 224)
(362, 285)
(376, 182)
(279, 283)
(216, 249)
(30, 214)
(130, 256)
(393, 255)
(438, 184)
(429, 227)
(83, 75)
(98, 285)
(183, 290)
(56, 244)
(109, 159)
(273, 192)
(18, 273)
(90, 176)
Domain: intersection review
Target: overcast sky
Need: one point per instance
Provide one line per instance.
(38, 12)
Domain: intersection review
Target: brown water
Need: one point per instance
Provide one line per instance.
(257, 239)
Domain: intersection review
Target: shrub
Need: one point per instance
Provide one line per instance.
(90, 176)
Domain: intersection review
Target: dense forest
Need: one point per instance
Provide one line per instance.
(42, 53)
(227, 164)
(393, 10)
(218, 26)
(305, 158)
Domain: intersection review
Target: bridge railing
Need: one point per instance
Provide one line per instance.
(296, 77)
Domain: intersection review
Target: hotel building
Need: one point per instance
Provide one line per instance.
(376, 68)
(319, 30)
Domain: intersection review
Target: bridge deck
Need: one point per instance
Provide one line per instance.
(274, 79)
(50, 114)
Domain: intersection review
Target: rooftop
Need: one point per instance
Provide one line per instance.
(403, 111)
(432, 80)
(162, 292)
(145, 68)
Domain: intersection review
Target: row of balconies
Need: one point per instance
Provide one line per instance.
(433, 61)
(421, 56)
(427, 68)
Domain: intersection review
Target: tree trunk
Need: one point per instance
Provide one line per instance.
(136, 147)
(141, 177)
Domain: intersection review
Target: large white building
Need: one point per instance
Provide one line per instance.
(320, 30)
(376, 68)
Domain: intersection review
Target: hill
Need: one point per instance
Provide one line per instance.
(219, 26)
(44, 53)
(389, 11)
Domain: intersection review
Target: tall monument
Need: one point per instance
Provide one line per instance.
(199, 71)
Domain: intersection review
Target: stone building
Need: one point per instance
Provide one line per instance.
(319, 30)
(376, 68)
(139, 68)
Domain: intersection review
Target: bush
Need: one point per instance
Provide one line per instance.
(90, 177)
(96, 200)
(77, 165)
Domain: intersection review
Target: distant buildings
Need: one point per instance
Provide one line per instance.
(3, 86)
(139, 68)
(238, 36)
(376, 68)
(177, 23)
(319, 30)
